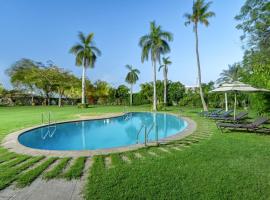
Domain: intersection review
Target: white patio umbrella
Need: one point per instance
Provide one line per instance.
(235, 87)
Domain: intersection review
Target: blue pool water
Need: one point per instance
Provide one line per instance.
(102, 133)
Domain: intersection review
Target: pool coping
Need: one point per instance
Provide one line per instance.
(11, 142)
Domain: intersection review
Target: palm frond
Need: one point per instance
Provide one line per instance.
(145, 52)
(129, 67)
(188, 18)
(76, 48)
(160, 67)
(89, 38)
(96, 50)
(136, 71)
(81, 37)
(144, 39)
(166, 35)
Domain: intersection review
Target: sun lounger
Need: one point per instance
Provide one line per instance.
(240, 116)
(224, 114)
(213, 112)
(254, 126)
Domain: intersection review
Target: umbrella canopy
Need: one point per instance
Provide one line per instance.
(237, 87)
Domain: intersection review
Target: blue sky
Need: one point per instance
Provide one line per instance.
(45, 30)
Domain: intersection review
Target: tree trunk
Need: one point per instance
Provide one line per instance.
(60, 98)
(154, 85)
(83, 84)
(165, 85)
(131, 92)
(32, 100)
(47, 100)
(60, 101)
(199, 68)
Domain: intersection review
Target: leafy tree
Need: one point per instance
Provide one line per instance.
(74, 92)
(131, 78)
(63, 81)
(231, 74)
(165, 64)
(2, 89)
(200, 14)
(147, 91)
(176, 91)
(102, 89)
(24, 75)
(122, 94)
(155, 44)
(254, 21)
(86, 55)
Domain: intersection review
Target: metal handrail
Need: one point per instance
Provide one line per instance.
(127, 116)
(43, 118)
(138, 133)
(149, 131)
(49, 125)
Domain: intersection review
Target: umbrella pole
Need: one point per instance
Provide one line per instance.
(234, 112)
(226, 101)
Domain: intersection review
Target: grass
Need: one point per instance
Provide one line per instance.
(7, 157)
(225, 166)
(28, 177)
(76, 169)
(57, 170)
(205, 165)
(14, 162)
(7, 176)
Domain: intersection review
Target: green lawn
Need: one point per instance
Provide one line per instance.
(205, 165)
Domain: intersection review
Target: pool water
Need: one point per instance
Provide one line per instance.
(103, 133)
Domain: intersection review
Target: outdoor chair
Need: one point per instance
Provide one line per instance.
(253, 126)
(240, 116)
(213, 112)
(224, 114)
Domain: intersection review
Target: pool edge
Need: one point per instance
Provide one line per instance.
(11, 142)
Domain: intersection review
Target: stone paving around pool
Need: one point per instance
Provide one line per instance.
(11, 141)
(56, 189)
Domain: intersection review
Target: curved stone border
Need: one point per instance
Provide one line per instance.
(11, 140)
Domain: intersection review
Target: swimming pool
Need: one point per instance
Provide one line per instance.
(103, 133)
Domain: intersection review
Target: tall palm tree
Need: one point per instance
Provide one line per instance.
(166, 62)
(86, 55)
(200, 14)
(231, 74)
(156, 44)
(131, 78)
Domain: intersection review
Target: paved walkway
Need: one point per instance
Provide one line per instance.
(56, 189)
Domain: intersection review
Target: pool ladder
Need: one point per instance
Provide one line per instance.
(146, 133)
(51, 127)
(127, 116)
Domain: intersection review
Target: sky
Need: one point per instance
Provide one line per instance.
(45, 30)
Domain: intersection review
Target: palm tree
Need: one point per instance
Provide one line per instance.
(86, 55)
(230, 75)
(200, 14)
(166, 62)
(155, 43)
(131, 78)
